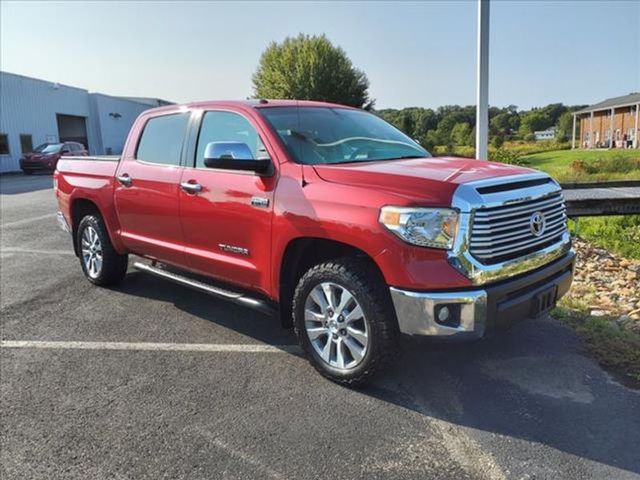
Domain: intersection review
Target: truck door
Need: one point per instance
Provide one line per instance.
(226, 214)
(147, 186)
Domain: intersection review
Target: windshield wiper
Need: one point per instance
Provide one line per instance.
(406, 157)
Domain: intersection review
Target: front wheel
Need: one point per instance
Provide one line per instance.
(344, 320)
(101, 264)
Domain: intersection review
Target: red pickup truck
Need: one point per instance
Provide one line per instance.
(327, 215)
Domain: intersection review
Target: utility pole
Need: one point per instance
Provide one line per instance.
(482, 93)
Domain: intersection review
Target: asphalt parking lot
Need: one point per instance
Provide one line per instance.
(164, 382)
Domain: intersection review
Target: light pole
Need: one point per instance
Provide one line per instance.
(482, 92)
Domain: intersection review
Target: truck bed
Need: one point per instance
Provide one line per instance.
(91, 166)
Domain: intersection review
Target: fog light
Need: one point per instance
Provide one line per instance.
(443, 314)
(448, 314)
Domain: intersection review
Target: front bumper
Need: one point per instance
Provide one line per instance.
(479, 310)
(37, 165)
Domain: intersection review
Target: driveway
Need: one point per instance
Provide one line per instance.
(152, 380)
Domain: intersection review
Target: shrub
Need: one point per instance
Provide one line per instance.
(517, 148)
(497, 142)
(620, 233)
(616, 164)
(578, 167)
(506, 156)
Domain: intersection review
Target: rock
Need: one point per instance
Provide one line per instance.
(623, 320)
(608, 284)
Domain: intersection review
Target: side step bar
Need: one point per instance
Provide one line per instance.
(235, 297)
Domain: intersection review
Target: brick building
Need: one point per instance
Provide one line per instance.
(612, 123)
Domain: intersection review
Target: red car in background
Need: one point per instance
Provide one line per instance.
(45, 157)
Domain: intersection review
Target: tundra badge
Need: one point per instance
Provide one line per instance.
(233, 249)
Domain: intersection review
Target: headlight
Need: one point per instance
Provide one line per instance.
(425, 227)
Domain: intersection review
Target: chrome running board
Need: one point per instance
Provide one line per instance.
(235, 297)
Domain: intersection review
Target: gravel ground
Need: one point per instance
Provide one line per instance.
(606, 284)
(523, 404)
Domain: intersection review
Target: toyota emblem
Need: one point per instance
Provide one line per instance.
(537, 223)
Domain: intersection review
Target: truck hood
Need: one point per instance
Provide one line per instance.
(421, 179)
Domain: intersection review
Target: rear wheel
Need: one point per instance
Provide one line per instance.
(100, 262)
(344, 320)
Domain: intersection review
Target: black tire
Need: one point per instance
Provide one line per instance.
(114, 266)
(366, 285)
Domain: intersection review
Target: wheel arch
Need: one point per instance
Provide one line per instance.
(300, 255)
(80, 208)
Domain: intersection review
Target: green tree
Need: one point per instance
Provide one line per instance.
(565, 127)
(407, 124)
(500, 124)
(460, 133)
(532, 121)
(554, 111)
(310, 68)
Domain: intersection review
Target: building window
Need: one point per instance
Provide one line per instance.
(4, 144)
(26, 143)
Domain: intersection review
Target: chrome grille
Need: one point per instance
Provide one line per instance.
(504, 232)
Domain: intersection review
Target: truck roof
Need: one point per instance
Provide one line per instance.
(253, 103)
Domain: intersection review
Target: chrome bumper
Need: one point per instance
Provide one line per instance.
(474, 312)
(62, 221)
(416, 312)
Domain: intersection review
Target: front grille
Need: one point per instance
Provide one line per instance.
(504, 232)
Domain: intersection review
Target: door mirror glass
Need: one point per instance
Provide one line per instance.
(234, 156)
(234, 150)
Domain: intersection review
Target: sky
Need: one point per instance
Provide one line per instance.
(414, 53)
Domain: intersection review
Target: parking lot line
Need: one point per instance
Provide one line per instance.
(36, 251)
(25, 221)
(146, 346)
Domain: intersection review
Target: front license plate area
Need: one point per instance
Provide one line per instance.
(544, 301)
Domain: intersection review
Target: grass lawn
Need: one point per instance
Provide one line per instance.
(587, 165)
(618, 233)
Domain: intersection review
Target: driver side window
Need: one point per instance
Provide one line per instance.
(218, 126)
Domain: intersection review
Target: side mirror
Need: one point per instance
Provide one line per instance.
(65, 151)
(234, 156)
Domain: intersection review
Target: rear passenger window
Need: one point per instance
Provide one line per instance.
(162, 138)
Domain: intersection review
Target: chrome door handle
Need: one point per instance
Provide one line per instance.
(191, 187)
(125, 179)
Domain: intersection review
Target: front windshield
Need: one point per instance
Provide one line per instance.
(48, 148)
(321, 135)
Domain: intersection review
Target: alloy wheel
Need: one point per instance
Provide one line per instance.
(336, 325)
(91, 252)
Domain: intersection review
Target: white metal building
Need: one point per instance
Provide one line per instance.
(548, 134)
(34, 111)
